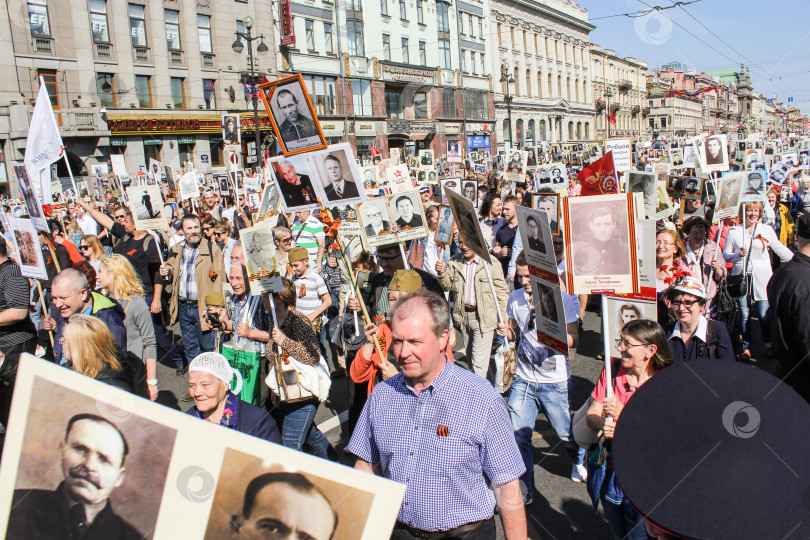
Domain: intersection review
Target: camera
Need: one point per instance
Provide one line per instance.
(213, 321)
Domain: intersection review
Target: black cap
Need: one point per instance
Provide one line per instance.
(803, 226)
(711, 449)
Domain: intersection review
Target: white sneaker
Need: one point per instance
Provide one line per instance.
(579, 473)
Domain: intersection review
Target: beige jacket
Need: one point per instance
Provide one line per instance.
(209, 271)
(454, 282)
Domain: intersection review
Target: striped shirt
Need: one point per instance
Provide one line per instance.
(470, 267)
(15, 294)
(187, 289)
(306, 235)
(310, 288)
(447, 444)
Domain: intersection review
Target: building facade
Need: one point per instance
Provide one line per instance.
(670, 117)
(540, 67)
(620, 90)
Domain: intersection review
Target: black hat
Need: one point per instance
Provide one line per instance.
(711, 449)
(803, 226)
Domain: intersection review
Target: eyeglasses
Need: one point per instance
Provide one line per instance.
(219, 234)
(207, 229)
(622, 345)
(685, 303)
(287, 240)
(662, 243)
(388, 259)
(84, 247)
(122, 217)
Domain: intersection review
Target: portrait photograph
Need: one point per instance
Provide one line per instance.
(466, 220)
(30, 199)
(548, 308)
(90, 451)
(644, 183)
(270, 200)
(549, 313)
(689, 157)
(369, 176)
(778, 172)
(146, 204)
(26, 243)
(535, 233)
(292, 115)
(222, 184)
(453, 151)
(453, 184)
(729, 192)
(444, 228)
(558, 175)
(663, 204)
(676, 158)
(426, 159)
(154, 171)
(189, 188)
(408, 215)
(479, 168)
(339, 178)
(231, 129)
(516, 161)
(293, 177)
(661, 171)
(469, 190)
(550, 204)
(713, 152)
(600, 252)
(375, 222)
(754, 187)
(259, 247)
(622, 311)
(791, 159)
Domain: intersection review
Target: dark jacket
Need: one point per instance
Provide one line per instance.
(789, 298)
(697, 349)
(108, 310)
(119, 379)
(254, 421)
(39, 513)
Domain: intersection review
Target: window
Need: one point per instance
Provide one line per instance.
(537, 43)
(539, 84)
(384, 7)
(361, 96)
(405, 55)
(507, 132)
(584, 92)
(386, 46)
(528, 83)
(481, 28)
(472, 25)
(525, 42)
(512, 41)
(444, 53)
(327, 37)
(476, 105)
(549, 87)
(402, 12)
(517, 81)
(354, 5)
(422, 54)
(321, 92)
(240, 28)
(38, 17)
(172, 29)
(546, 49)
(420, 11)
(473, 64)
(310, 34)
(137, 25)
(355, 31)
(442, 18)
(143, 89)
(98, 21)
(556, 50)
(570, 131)
(576, 87)
(209, 93)
(393, 103)
(587, 131)
(568, 88)
(204, 33)
(559, 85)
(420, 105)
(500, 34)
(105, 86)
(178, 93)
(49, 78)
(481, 64)
(449, 103)
(463, 25)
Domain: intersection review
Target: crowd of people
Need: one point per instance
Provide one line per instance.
(422, 406)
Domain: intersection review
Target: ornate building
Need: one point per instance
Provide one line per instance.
(620, 89)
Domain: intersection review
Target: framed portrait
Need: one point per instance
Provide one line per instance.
(154, 170)
(600, 244)
(466, 219)
(368, 174)
(557, 176)
(375, 222)
(222, 184)
(399, 179)
(231, 129)
(292, 115)
(30, 199)
(339, 180)
(712, 152)
(146, 204)
(469, 190)
(689, 158)
(778, 172)
(550, 204)
(549, 314)
(729, 193)
(622, 311)
(426, 159)
(453, 151)
(26, 244)
(644, 183)
(293, 177)
(754, 187)
(535, 233)
(663, 204)
(453, 184)
(260, 252)
(408, 215)
(444, 228)
(479, 168)
(270, 200)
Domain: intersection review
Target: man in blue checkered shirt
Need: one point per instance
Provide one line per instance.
(443, 432)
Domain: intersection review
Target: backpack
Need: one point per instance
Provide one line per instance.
(727, 309)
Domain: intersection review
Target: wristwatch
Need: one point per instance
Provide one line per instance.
(152, 382)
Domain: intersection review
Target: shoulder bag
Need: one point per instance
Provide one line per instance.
(583, 434)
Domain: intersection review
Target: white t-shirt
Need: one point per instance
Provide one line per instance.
(534, 363)
(87, 224)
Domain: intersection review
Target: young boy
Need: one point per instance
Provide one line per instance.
(313, 295)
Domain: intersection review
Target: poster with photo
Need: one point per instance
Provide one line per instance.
(270, 200)
(221, 181)
(791, 159)
(32, 205)
(479, 168)
(155, 171)
(444, 228)
(689, 158)
(663, 204)
(535, 233)
(778, 172)
(466, 219)
(369, 176)
(515, 165)
(685, 187)
(550, 314)
(644, 183)
(622, 154)
(338, 180)
(622, 310)
(349, 224)
(189, 188)
(661, 171)
(399, 179)
(729, 193)
(753, 155)
(712, 152)
(550, 204)
(293, 177)
(149, 469)
(676, 159)
(754, 187)
(26, 244)
(146, 204)
(56, 192)
(231, 129)
(375, 223)
(292, 115)
(469, 190)
(453, 184)
(426, 159)
(600, 244)
(408, 215)
(260, 252)
(453, 151)
(253, 184)
(557, 176)
(119, 164)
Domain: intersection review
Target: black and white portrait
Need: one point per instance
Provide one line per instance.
(558, 176)
(189, 187)
(548, 203)
(479, 168)
(222, 183)
(536, 241)
(689, 156)
(406, 210)
(639, 182)
(729, 195)
(453, 151)
(426, 159)
(444, 228)
(293, 177)
(467, 222)
(146, 204)
(778, 173)
(516, 161)
(374, 218)
(469, 189)
(293, 115)
(270, 199)
(29, 197)
(754, 186)
(259, 247)
(548, 307)
(339, 176)
(231, 129)
(369, 176)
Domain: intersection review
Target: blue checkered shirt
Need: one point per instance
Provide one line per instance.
(447, 477)
(187, 281)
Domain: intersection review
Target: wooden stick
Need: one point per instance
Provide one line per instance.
(44, 308)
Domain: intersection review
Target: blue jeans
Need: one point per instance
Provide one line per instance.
(764, 314)
(526, 399)
(298, 426)
(624, 522)
(194, 339)
(165, 337)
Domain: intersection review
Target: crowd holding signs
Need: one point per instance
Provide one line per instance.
(437, 280)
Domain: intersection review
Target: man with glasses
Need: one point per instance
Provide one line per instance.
(542, 379)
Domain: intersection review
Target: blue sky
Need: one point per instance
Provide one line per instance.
(772, 37)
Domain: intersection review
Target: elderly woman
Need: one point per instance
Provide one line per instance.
(747, 247)
(209, 382)
(704, 258)
(644, 352)
(693, 336)
(669, 251)
(296, 338)
(90, 349)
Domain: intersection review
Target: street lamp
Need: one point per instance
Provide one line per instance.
(507, 97)
(608, 94)
(251, 78)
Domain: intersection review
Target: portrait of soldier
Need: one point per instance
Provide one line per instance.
(408, 218)
(338, 187)
(602, 249)
(295, 125)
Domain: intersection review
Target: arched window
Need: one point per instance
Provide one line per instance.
(528, 83)
(576, 88)
(519, 133)
(559, 85)
(517, 81)
(584, 91)
(570, 131)
(568, 88)
(550, 87)
(579, 131)
(539, 84)
(587, 131)
(530, 132)
(541, 136)
(507, 131)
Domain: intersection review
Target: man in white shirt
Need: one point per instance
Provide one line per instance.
(542, 379)
(86, 222)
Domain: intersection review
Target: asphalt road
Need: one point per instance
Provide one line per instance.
(561, 509)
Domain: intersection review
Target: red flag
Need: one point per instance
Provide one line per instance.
(599, 178)
(613, 116)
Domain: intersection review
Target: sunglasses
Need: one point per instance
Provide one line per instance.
(219, 234)
(287, 240)
(122, 217)
(84, 247)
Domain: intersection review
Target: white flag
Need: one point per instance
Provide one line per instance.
(44, 144)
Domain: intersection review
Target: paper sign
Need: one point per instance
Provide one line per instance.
(622, 154)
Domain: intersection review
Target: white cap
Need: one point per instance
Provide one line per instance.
(218, 366)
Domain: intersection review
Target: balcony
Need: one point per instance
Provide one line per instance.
(176, 57)
(84, 121)
(142, 54)
(645, 111)
(208, 60)
(625, 86)
(104, 50)
(635, 110)
(43, 45)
